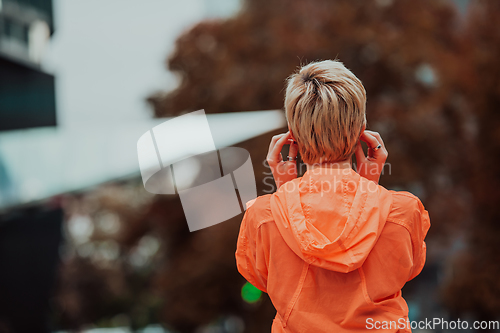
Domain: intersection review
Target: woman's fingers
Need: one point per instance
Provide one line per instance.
(360, 154)
(274, 140)
(377, 136)
(294, 149)
(370, 139)
(372, 143)
(372, 165)
(272, 144)
(277, 143)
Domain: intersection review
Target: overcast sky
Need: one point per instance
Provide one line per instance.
(107, 56)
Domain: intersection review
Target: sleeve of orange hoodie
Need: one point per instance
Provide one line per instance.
(252, 249)
(410, 212)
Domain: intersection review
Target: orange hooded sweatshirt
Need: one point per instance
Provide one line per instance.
(333, 250)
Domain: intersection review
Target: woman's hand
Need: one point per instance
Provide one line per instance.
(371, 166)
(283, 171)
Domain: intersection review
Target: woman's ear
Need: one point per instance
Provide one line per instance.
(291, 134)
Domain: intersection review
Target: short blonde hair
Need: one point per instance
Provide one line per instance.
(325, 106)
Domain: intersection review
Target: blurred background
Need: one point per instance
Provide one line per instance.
(84, 248)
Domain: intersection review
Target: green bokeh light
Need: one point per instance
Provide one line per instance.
(249, 293)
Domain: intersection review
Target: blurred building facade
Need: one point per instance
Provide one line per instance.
(27, 94)
(30, 236)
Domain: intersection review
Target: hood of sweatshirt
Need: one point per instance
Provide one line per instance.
(330, 217)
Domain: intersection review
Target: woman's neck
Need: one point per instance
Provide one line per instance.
(333, 165)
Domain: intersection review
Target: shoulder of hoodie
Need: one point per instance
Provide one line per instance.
(406, 209)
(258, 211)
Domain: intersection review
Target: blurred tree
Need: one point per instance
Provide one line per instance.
(474, 285)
